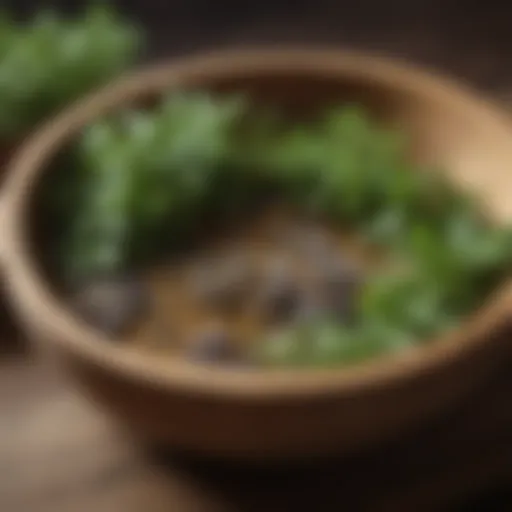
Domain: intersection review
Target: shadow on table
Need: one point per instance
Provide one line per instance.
(456, 456)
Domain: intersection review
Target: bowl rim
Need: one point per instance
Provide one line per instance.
(61, 328)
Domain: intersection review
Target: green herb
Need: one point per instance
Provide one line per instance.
(142, 174)
(51, 61)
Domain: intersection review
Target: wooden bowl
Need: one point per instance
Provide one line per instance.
(257, 413)
(11, 341)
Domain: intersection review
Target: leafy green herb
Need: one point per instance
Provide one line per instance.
(51, 61)
(143, 173)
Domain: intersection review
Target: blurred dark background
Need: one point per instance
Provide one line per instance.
(470, 38)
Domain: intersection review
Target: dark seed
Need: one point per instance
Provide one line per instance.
(113, 305)
(223, 284)
(280, 296)
(212, 346)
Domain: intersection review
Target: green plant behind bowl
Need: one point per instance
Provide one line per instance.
(51, 61)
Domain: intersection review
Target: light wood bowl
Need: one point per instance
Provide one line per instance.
(257, 413)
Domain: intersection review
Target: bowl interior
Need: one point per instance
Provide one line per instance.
(442, 129)
(446, 126)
